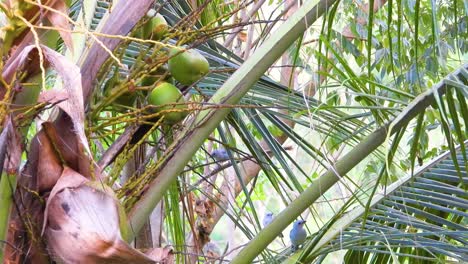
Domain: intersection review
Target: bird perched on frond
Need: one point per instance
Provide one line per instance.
(220, 154)
(267, 220)
(297, 235)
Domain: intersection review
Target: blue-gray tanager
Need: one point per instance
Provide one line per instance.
(267, 220)
(220, 154)
(298, 234)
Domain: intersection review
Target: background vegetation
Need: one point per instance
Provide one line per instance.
(349, 114)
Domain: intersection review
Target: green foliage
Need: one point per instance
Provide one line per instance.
(392, 56)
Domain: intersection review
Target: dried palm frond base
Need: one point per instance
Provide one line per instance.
(82, 221)
(83, 224)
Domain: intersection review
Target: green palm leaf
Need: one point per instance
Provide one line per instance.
(423, 216)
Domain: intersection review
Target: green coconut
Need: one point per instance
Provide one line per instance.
(187, 67)
(156, 27)
(163, 95)
(124, 101)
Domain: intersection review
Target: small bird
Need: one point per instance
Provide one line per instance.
(220, 154)
(297, 235)
(267, 220)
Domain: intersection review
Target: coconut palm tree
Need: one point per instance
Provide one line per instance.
(385, 87)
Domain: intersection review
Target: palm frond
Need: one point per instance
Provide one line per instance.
(263, 93)
(423, 216)
(326, 118)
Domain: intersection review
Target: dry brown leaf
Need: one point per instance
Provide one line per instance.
(204, 227)
(71, 77)
(49, 166)
(53, 96)
(20, 62)
(27, 216)
(83, 224)
(48, 151)
(61, 22)
(75, 246)
(68, 179)
(161, 255)
(204, 208)
(200, 208)
(10, 148)
(242, 36)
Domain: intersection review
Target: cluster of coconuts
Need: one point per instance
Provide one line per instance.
(185, 66)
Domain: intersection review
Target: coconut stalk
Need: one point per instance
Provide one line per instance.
(190, 140)
(10, 157)
(7, 189)
(341, 167)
